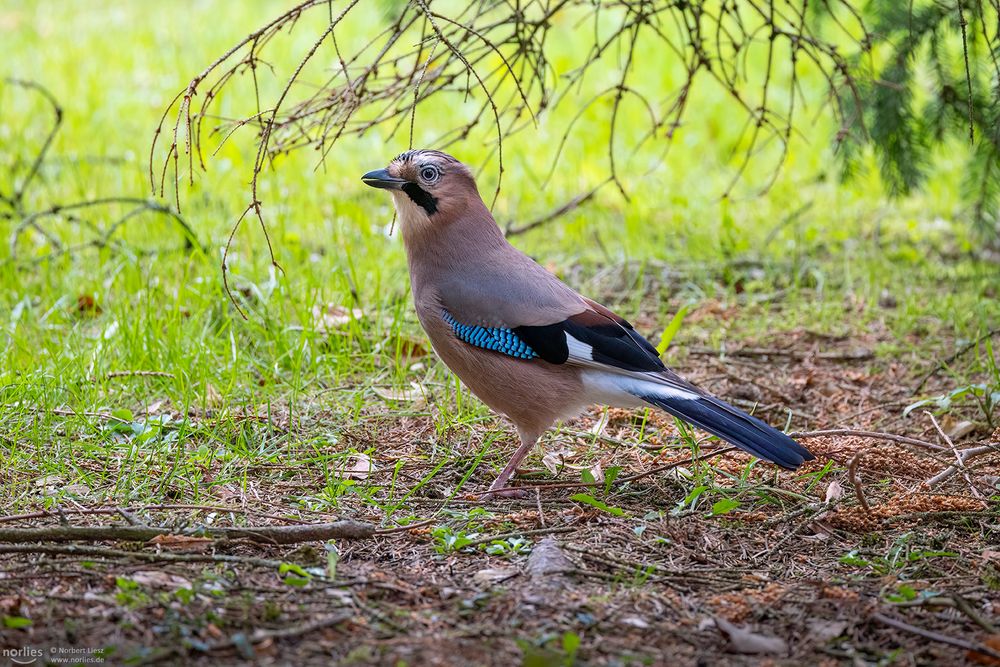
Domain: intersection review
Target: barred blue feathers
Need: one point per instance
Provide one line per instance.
(497, 339)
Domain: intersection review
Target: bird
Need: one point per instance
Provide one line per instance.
(525, 343)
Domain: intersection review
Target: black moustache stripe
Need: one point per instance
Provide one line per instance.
(421, 198)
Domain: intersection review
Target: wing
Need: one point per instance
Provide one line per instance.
(594, 337)
(504, 290)
(597, 338)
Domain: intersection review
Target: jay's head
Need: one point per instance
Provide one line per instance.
(427, 186)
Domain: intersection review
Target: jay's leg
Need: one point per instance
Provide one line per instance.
(499, 486)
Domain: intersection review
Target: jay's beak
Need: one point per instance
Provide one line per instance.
(380, 178)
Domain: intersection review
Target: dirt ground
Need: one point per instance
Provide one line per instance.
(800, 573)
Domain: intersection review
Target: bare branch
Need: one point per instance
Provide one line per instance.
(494, 55)
(350, 530)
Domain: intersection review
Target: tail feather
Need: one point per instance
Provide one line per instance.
(736, 427)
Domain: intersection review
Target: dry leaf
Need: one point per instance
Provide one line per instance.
(414, 393)
(330, 317)
(360, 469)
(87, 305)
(990, 641)
(742, 640)
(635, 622)
(229, 492)
(823, 630)
(600, 425)
(491, 576)
(554, 461)
(833, 492)
(49, 480)
(547, 559)
(961, 429)
(159, 579)
(409, 349)
(213, 398)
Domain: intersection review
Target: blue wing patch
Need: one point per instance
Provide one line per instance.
(497, 339)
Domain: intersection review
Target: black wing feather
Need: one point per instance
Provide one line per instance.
(613, 341)
(548, 341)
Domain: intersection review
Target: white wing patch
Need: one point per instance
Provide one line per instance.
(578, 349)
(610, 385)
(625, 391)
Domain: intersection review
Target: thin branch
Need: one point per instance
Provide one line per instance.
(494, 56)
(934, 636)
(574, 203)
(875, 435)
(57, 110)
(852, 476)
(348, 530)
(261, 635)
(850, 355)
(963, 456)
(960, 461)
(149, 556)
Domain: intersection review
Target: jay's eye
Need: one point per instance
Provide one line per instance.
(429, 174)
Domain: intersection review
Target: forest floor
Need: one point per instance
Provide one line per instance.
(857, 558)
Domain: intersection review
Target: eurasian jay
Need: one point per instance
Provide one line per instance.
(526, 344)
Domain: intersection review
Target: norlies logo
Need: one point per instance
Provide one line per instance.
(27, 655)
(22, 656)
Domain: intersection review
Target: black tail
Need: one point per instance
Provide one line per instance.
(737, 427)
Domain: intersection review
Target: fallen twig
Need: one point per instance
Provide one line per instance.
(875, 435)
(347, 530)
(145, 374)
(852, 475)
(820, 513)
(403, 529)
(954, 601)
(146, 508)
(242, 642)
(152, 556)
(960, 461)
(963, 455)
(541, 513)
(940, 514)
(934, 636)
(850, 355)
(664, 573)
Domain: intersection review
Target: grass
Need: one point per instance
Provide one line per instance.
(128, 379)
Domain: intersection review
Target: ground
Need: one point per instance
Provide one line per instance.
(644, 562)
(133, 394)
